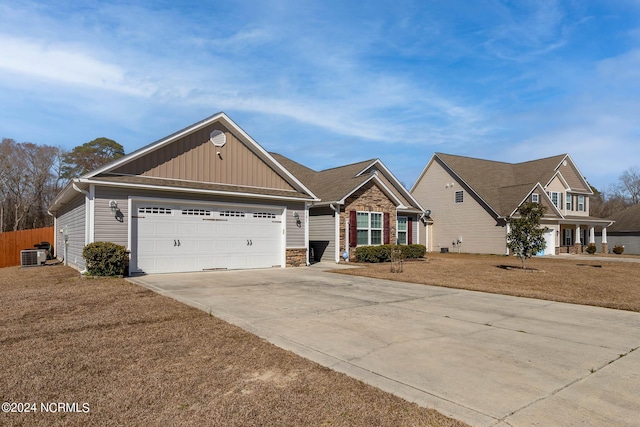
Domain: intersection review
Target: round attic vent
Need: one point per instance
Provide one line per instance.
(218, 138)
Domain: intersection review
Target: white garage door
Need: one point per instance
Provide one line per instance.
(180, 238)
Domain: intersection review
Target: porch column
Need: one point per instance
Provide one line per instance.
(605, 245)
(592, 234)
(577, 244)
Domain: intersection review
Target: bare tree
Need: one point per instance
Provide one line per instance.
(630, 184)
(28, 184)
(605, 204)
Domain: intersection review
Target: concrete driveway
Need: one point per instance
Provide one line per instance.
(488, 360)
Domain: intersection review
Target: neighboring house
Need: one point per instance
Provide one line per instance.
(471, 199)
(205, 197)
(625, 231)
(360, 204)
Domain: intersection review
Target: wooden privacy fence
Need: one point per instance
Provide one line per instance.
(12, 242)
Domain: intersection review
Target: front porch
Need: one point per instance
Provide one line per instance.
(576, 234)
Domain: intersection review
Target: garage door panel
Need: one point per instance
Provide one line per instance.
(209, 237)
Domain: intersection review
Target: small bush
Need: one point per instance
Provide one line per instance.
(618, 249)
(591, 248)
(382, 253)
(105, 259)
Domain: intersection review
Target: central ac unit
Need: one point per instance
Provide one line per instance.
(32, 257)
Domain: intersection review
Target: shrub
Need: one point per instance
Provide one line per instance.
(591, 248)
(618, 249)
(382, 253)
(105, 259)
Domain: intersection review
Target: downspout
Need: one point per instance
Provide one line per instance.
(55, 235)
(66, 243)
(336, 228)
(306, 231)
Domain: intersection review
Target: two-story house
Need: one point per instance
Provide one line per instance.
(471, 200)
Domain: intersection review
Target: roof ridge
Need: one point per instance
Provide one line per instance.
(475, 158)
(350, 164)
(541, 159)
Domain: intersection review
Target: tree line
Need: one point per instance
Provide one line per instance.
(619, 196)
(32, 175)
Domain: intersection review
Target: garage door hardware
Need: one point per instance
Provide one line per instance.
(214, 219)
(249, 242)
(176, 242)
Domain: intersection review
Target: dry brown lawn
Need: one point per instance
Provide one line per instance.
(137, 358)
(609, 283)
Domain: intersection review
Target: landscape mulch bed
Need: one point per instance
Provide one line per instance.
(133, 357)
(603, 282)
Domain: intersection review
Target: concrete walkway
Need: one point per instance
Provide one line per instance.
(488, 360)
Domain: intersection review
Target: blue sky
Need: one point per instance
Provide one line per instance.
(334, 82)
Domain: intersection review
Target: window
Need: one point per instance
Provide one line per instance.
(568, 237)
(581, 205)
(267, 215)
(535, 198)
(459, 197)
(402, 230)
(154, 210)
(196, 212)
(555, 198)
(232, 213)
(369, 228)
(569, 202)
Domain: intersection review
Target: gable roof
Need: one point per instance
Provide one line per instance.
(627, 220)
(504, 186)
(221, 118)
(336, 184)
(112, 175)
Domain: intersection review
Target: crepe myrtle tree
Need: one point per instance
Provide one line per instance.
(525, 237)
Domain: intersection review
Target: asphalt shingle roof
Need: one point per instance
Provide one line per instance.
(503, 186)
(626, 220)
(330, 184)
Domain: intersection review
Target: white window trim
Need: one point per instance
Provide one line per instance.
(558, 203)
(581, 205)
(370, 228)
(568, 201)
(535, 198)
(405, 231)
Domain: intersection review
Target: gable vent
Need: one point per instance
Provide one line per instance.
(218, 138)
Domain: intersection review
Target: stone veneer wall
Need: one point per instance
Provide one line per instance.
(369, 198)
(296, 257)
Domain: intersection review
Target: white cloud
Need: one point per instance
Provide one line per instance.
(64, 64)
(528, 30)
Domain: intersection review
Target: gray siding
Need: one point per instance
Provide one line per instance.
(630, 241)
(322, 234)
(73, 217)
(480, 231)
(107, 228)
